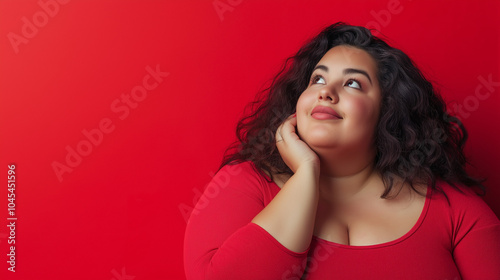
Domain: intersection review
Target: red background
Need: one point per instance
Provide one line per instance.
(117, 214)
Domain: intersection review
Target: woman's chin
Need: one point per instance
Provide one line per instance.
(317, 143)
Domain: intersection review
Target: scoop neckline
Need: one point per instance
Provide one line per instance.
(407, 235)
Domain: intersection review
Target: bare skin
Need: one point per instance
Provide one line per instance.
(335, 190)
(363, 221)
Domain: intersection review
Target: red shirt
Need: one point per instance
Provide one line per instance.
(453, 239)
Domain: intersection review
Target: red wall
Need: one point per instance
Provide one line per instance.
(68, 67)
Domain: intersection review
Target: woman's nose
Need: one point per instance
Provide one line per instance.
(328, 95)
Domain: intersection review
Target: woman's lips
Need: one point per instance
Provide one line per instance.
(324, 113)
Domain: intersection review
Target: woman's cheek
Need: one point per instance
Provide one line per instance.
(302, 101)
(360, 108)
(361, 118)
(301, 109)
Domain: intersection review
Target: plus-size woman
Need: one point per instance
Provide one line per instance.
(349, 168)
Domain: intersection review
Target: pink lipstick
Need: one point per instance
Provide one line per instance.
(324, 113)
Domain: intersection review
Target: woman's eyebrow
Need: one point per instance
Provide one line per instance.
(359, 71)
(322, 67)
(346, 71)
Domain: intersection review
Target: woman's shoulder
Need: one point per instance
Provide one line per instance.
(240, 168)
(245, 178)
(236, 167)
(464, 203)
(463, 216)
(245, 173)
(456, 193)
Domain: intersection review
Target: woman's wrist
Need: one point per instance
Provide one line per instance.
(309, 168)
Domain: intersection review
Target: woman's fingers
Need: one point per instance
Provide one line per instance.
(292, 149)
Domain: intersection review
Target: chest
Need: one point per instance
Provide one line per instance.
(368, 222)
(405, 260)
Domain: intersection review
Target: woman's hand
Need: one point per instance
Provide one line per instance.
(293, 150)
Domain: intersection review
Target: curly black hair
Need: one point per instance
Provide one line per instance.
(416, 139)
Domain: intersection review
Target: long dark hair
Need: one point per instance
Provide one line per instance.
(416, 139)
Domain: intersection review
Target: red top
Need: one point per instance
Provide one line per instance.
(459, 239)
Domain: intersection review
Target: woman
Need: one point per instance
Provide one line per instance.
(350, 168)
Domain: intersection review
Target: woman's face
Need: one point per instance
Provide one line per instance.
(340, 107)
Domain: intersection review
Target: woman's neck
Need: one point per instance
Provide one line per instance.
(345, 187)
(345, 176)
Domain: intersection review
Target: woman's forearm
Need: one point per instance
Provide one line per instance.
(290, 216)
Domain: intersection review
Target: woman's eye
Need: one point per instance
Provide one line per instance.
(318, 79)
(353, 84)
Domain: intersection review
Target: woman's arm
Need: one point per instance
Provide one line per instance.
(220, 240)
(476, 239)
(478, 255)
(291, 214)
